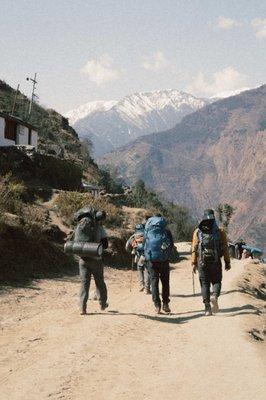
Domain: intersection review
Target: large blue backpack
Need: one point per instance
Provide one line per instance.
(157, 245)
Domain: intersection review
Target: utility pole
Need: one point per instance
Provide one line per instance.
(33, 95)
(15, 100)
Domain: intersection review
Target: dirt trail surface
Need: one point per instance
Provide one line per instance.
(49, 351)
(49, 205)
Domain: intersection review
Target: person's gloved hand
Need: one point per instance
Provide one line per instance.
(227, 267)
(194, 267)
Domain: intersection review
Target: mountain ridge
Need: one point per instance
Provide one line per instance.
(213, 155)
(114, 123)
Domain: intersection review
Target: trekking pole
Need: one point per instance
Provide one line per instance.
(193, 283)
(131, 273)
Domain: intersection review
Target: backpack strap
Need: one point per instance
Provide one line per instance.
(199, 250)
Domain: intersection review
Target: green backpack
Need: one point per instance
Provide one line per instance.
(210, 247)
(85, 231)
(86, 228)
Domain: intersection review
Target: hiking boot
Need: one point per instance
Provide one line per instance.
(208, 310)
(166, 308)
(104, 306)
(141, 289)
(158, 309)
(215, 305)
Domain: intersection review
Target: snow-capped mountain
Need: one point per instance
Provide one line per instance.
(89, 108)
(229, 93)
(111, 124)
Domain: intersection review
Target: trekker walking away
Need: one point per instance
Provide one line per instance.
(158, 247)
(135, 244)
(89, 241)
(209, 244)
(239, 248)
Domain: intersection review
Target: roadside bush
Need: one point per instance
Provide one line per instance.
(116, 255)
(33, 220)
(29, 216)
(69, 202)
(27, 256)
(11, 193)
(178, 217)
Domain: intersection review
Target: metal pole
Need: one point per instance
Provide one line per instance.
(15, 100)
(131, 273)
(34, 82)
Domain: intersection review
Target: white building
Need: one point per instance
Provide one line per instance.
(92, 189)
(15, 132)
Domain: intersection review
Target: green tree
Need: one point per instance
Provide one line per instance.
(225, 212)
(109, 184)
(178, 217)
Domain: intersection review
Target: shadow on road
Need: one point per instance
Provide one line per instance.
(246, 309)
(183, 317)
(184, 296)
(166, 318)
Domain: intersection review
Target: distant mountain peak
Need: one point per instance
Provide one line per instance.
(89, 108)
(229, 93)
(111, 124)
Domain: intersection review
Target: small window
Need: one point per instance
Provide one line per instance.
(10, 130)
(30, 136)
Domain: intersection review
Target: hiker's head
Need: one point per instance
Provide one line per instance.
(139, 227)
(208, 214)
(208, 219)
(100, 216)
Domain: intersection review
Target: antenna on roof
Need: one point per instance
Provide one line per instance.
(33, 95)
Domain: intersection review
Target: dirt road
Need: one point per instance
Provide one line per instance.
(49, 351)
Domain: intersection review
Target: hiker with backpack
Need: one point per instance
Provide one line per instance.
(158, 246)
(135, 244)
(88, 241)
(209, 245)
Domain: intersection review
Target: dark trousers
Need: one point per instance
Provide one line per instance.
(87, 268)
(210, 274)
(159, 271)
(144, 277)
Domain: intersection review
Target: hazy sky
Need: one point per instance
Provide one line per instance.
(85, 50)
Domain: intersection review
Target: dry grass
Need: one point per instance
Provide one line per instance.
(11, 193)
(69, 202)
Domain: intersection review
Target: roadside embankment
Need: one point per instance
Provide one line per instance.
(253, 283)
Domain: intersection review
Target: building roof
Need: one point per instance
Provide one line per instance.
(89, 186)
(18, 120)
